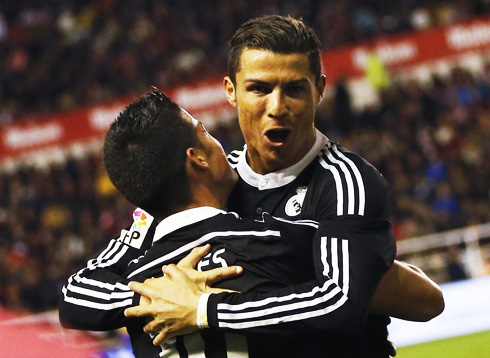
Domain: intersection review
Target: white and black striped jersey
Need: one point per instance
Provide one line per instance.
(295, 279)
(95, 297)
(328, 184)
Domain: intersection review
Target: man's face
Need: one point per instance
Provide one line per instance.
(276, 97)
(224, 176)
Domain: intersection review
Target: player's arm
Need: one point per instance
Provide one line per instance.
(406, 292)
(95, 297)
(348, 269)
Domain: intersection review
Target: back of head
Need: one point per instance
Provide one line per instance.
(281, 34)
(145, 154)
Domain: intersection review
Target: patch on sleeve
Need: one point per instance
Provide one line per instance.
(135, 236)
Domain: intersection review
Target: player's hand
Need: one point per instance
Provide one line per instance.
(172, 299)
(174, 308)
(207, 278)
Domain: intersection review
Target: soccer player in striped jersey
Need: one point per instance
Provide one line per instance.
(291, 276)
(289, 170)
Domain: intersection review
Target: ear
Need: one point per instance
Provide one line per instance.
(320, 88)
(197, 158)
(230, 91)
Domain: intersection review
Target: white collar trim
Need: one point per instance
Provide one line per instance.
(280, 177)
(184, 218)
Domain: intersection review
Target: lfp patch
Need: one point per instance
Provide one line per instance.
(135, 236)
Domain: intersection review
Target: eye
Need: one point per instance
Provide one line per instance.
(258, 88)
(295, 89)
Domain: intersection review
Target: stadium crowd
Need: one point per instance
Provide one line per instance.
(430, 142)
(58, 55)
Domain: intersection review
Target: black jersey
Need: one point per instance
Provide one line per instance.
(269, 250)
(329, 183)
(340, 191)
(295, 282)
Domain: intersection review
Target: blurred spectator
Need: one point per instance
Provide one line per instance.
(343, 115)
(376, 72)
(454, 265)
(431, 142)
(61, 55)
(433, 157)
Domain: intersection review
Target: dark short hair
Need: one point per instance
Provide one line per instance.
(281, 34)
(145, 153)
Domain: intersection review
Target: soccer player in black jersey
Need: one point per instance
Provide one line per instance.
(287, 169)
(292, 277)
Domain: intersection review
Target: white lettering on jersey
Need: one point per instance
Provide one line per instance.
(295, 203)
(215, 258)
(136, 235)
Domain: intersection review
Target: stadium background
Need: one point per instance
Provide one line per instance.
(409, 89)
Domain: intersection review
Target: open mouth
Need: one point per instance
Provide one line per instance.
(278, 135)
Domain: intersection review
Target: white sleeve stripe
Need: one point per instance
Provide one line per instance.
(256, 308)
(108, 286)
(345, 268)
(338, 185)
(200, 241)
(113, 255)
(266, 301)
(95, 283)
(101, 295)
(103, 263)
(107, 254)
(277, 309)
(335, 260)
(311, 223)
(324, 255)
(291, 318)
(350, 183)
(292, 296)
(100, 306)
(360, 182)
(102, 255)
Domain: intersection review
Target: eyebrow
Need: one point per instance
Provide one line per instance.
(289, 83)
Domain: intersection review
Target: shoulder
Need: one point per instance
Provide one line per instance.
(347, 179)
(335, 158)
(142, 229)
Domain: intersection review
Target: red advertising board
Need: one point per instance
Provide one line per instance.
(207, 101)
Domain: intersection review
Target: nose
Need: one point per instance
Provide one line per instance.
(277, 106)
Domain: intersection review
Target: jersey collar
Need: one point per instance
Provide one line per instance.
(184, 218)
(280, 177)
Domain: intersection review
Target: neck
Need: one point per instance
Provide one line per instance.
(206, 196)
(192, 205)
(263, 164)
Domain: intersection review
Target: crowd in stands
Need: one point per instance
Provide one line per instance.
(430, 142)
(58, 55)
